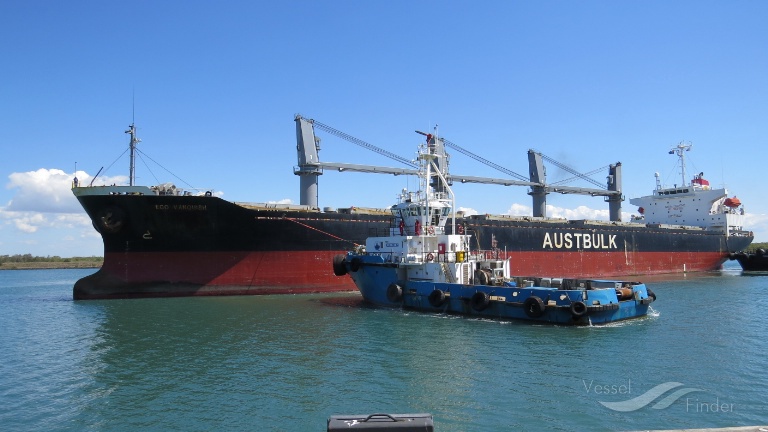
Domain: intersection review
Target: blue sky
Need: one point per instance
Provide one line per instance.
(216, 86)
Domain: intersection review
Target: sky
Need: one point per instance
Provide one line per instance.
(213, 88)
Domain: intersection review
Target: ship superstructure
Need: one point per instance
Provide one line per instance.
(693, 203)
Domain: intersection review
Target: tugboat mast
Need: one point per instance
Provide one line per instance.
(134, 141)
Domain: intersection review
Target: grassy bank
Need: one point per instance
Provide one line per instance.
(29, 262)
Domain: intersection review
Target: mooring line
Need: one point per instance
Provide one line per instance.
(321, 231)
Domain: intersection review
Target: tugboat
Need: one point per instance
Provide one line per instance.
(420, 266)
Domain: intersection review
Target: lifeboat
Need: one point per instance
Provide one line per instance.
(732, 202)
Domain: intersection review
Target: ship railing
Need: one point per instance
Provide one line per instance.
(737, 231)
(462, 256)
(394, 230)
(423, 257)
(488, 254)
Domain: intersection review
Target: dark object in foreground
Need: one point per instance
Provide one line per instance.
(382, 422)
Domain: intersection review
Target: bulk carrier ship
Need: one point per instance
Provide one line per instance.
(162, 241)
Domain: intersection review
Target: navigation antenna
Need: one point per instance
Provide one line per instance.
(680, 150)
(132, 170)
(134, 141)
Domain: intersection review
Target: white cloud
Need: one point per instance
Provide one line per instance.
(44, 199)
(43, 191)
(468, 211)
(70, 220)
(29, 222)
(519, 210)
(48, 190)
(758, 224)
(282, 201)
(580, 212)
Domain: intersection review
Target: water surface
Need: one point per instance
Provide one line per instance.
(289, 362)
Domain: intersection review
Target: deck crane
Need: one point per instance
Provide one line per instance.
(584, 176)
(539, 188)
(484, 161)
(361, 143)
(310, 168)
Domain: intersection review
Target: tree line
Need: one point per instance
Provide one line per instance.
(28, 258)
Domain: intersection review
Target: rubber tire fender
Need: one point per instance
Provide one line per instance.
(533, 307)
(436, 298)
(394, 293)
(578, 309)
(340, 265)
(480, 301)
(651, 294)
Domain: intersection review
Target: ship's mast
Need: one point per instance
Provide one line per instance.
(680, 150)
(134, 141)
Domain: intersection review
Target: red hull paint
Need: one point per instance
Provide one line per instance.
(160, 274)
(610, 264)
(293, 272)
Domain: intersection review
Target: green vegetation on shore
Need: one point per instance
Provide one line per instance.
(755, 246)
(27, 261)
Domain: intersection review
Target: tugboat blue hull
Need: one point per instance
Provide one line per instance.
(573, 302)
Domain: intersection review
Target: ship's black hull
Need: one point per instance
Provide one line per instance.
(158, 245)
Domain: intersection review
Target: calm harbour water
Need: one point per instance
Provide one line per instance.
(286, 363)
